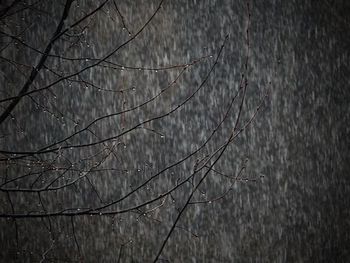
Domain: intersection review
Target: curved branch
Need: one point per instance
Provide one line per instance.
(36, 69)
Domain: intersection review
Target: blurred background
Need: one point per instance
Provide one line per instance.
(291, 204)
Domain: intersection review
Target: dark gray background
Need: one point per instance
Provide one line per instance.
(297, 212)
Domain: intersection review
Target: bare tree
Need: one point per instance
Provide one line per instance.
(92, 134)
